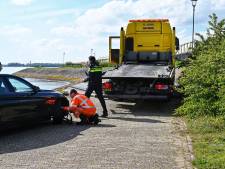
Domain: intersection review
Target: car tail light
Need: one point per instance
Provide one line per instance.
(161, 86)
(107, 86)
(50, 101)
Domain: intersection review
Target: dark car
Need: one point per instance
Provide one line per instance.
(22, 102)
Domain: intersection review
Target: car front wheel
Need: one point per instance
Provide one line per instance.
(58, 115)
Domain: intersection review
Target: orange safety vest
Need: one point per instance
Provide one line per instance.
(83, 105)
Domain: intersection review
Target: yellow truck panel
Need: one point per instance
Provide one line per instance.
(147, 35)
(153, 27)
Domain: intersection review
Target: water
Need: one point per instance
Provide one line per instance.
(43, 84)
(10, 70)
(47, 84)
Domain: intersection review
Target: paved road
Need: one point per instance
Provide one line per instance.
(140, 135)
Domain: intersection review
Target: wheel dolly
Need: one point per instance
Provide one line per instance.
(68, 118)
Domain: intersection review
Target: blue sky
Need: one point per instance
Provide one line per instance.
(42, 30)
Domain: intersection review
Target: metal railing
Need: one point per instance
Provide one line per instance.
(185, 48)
(103, 59)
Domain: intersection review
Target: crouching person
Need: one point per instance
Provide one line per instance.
(82, 107)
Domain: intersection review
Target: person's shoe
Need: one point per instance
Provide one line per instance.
(80, 123)
(104, 115)
(96, 120)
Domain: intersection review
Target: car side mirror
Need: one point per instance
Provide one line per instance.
(36, 88)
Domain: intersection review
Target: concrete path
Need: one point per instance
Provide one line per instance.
(140, 135)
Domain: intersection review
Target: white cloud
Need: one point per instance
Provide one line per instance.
(97, 24)
(93, 27)
(109, 18)
(15, 31)
(90, 30)
(55, 13)
(21, 2)
(50, 15)
(218, 4)
(64, 31)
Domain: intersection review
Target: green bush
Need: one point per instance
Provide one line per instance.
(204, 76)
(107, 64)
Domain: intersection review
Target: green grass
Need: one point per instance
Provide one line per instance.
(73, 66)
(58, 68)
(208, 137)
(50, 77)
(107, 64)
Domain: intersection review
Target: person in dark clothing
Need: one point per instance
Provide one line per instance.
(95, 82)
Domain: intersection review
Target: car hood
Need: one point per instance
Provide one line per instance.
(49, 93)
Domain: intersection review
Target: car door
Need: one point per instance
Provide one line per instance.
(6, 104)
(24, 104)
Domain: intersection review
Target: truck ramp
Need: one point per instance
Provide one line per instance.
(139, 71)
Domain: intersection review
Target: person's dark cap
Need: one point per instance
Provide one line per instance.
(73, 91)
(91, 58)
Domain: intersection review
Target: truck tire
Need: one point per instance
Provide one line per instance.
(58, 115)
(177, 95)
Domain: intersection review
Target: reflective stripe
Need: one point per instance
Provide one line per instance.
(87, 107)
(84, 101)
(74, 106)
(95, 69)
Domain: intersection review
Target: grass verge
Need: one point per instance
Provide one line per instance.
(208, 138)
(51, 77)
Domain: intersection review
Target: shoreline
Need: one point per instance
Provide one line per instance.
(71, 75)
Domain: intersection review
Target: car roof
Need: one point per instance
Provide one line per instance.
(17, 77)
(3, 75)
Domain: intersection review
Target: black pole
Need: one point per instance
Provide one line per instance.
(193, 29)
(0, 66)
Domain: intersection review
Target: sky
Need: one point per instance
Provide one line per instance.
(50, 30)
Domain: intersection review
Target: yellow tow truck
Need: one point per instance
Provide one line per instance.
(146, 61)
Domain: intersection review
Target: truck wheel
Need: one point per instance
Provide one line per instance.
(177, 95)
(58, 115)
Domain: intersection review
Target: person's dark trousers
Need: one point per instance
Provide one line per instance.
(83, 120)
(94, 119)
(98, 91)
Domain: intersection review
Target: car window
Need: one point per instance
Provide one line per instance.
(3, 88)
(19, 86)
